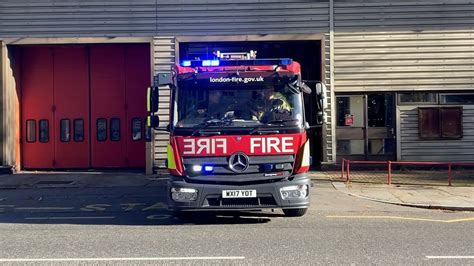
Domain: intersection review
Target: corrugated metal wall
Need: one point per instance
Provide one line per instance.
(8, 105)
(163, 59)
(73, 18)
(414, 149)
(2, 99)
(403, 45)
(216, 17)
(51, 18)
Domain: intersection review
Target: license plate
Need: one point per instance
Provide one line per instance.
(239, 193)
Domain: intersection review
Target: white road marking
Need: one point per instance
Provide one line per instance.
(44, 208)
(470, 219)
(120, 259)
(68, 218)
(449, 257)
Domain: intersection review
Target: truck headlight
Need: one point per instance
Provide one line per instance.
(294, 192)
(184, 194)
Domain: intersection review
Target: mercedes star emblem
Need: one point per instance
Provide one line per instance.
(238, 162)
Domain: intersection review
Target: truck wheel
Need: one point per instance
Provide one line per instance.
(294, 212)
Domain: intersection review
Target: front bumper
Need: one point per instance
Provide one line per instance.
(210, 196)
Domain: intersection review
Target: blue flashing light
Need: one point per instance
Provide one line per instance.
(244, 62)
(208, 168)
(268, 167)
(186, 63)
(286, 61)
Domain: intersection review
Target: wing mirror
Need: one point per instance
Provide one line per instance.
(321, 92)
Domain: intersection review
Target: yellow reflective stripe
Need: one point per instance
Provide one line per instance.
(148, 121)
(148, 99)
(171, 161)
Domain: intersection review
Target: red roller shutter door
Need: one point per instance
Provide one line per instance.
(137, 78)
(108, 114)
(71, 98)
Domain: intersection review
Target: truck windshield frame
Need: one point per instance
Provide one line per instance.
(236, 106)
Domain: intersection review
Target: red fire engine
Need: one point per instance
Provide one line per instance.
(237, 135)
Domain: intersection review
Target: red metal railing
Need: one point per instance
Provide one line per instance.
(346, 167)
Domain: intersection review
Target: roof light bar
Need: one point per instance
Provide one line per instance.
(248, 62)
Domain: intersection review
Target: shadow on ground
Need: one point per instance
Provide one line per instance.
(132, 205)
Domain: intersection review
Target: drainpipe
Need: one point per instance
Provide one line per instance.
(331, 77)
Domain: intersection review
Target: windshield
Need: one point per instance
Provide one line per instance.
(237, 106)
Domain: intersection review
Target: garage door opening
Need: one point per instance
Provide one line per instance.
(307, 53)
(82, 106)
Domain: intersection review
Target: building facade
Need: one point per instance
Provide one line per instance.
(400, 74)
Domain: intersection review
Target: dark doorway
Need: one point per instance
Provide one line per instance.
(307, 53)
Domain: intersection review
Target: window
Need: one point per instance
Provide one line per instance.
(65, 130)
(457, 98)
(350, 111)
(30, 130)
(44, 131)
(380, 110)
(101, 129)
(440, 122)
(115, 129)
(78, 130)
(136, 129)
(417, 97)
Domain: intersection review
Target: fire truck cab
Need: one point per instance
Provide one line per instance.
(237, 135)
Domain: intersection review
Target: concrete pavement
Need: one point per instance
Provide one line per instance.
(435, 197)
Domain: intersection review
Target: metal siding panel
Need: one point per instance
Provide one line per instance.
(3, 100)
(48, 18)
(403, 45)
(120, 18)
(414, 149)
(327, 80)
(242, 17)
(163, 59)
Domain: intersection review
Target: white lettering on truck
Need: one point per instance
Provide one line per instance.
(271, 144)
(219, 145)
(204, 146)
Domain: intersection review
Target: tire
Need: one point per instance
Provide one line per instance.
(294, 212)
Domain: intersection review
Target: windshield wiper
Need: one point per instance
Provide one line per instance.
(281, 121)
(206, 124)
(261, 131)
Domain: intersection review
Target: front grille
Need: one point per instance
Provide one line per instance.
(260, 201)
(255, 172)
